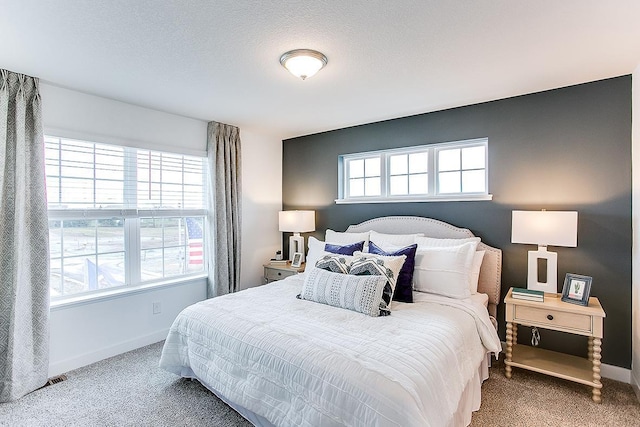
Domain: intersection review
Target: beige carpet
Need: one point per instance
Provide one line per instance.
(130, 390)
(531, 399)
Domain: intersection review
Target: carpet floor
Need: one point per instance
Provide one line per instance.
(130, 390)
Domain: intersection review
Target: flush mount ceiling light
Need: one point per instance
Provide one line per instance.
(303, 63)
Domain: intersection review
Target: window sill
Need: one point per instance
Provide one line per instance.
(124, 291)
(466, 198)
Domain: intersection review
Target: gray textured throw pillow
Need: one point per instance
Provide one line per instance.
(358, 293)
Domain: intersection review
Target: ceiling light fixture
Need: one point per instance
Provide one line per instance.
(303, 63)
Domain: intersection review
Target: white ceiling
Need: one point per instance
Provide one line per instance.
(218, 59)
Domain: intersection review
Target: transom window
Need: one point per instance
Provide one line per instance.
(408, 173)
(364, 177)
(121, 216)
(447, 171)
(462, 170)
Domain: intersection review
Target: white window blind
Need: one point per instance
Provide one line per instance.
(83, 175)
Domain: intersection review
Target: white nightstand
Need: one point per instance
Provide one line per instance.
(273, 272)
(556, 315)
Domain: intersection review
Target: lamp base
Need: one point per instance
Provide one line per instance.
(551, 286)
(296, 244)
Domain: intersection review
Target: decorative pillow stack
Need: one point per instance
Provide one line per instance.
(446, 266)
(404, 262)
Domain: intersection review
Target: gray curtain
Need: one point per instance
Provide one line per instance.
(24, 240)
(224, 220)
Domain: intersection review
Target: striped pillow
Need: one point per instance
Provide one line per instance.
(357, 293)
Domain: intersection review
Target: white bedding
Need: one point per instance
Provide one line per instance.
(300, 363)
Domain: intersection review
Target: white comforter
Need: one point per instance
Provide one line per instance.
(300, 363)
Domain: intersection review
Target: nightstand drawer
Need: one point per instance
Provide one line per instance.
(553, 318)
(272, 274)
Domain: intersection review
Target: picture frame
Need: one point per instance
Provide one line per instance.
(296, 261)
(576, 289)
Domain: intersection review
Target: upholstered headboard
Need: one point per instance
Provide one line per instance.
(491, 270)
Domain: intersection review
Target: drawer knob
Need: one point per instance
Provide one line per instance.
(549, 316)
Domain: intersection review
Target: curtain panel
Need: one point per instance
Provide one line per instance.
(224, 219)
(24, 239)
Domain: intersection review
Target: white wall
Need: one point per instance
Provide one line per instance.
(261, 201)
(635, 200)
(85, 333)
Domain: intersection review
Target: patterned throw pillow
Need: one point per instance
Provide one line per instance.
(378, 265)
(361, 294)
(335, 263)
(404, 285)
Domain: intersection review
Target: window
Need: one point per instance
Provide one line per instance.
(408, 173)
(121, 216)
(364, 177)
(462, 170)
(447, 171)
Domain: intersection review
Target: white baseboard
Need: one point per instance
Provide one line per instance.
(606, 371)
(85, 359)
(615, 373)
(635, 384)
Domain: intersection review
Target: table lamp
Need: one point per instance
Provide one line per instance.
(544, 228)
(296, 222)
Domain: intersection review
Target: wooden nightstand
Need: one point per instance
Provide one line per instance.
(556, 315)
(273, 272)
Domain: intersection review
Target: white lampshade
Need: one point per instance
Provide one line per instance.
(545, 228)
(297, 221)
(303, 63)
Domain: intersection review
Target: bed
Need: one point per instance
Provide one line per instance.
(279, 360)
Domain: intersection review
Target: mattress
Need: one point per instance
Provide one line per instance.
(296, 362)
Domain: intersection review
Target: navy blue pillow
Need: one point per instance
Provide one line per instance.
(344, 250)
(404, 284)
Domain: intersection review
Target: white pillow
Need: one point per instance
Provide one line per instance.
(316, 251)
(385, 241)
(474, 274)
(445, 270)
(432, 242)
(339, 238)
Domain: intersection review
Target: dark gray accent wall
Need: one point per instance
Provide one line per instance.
(564, 149)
